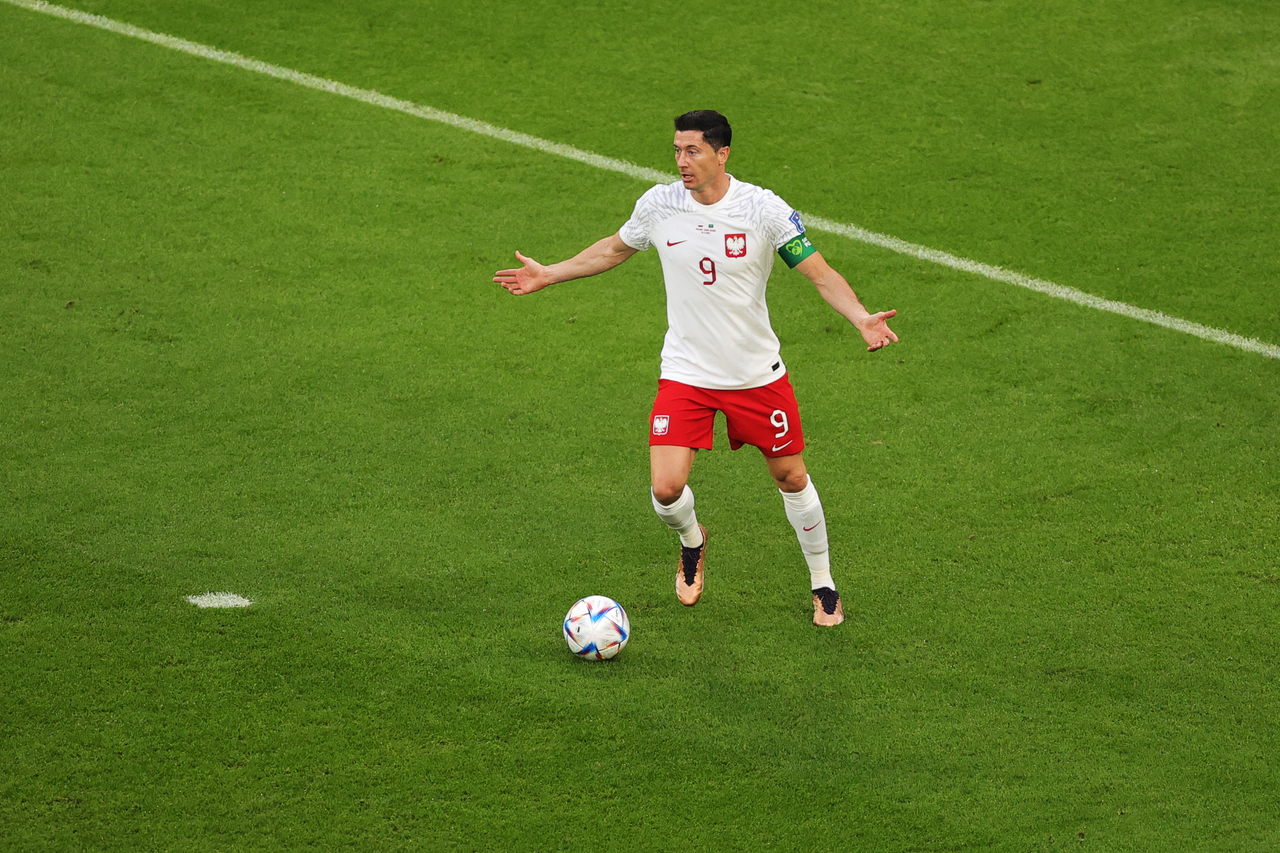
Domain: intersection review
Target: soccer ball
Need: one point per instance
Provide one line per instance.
(596, 627)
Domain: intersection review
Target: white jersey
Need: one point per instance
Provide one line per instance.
(716, 260)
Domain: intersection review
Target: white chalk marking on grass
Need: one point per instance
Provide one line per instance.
(1048, 288)
(367, 96)
(219, 599)
(853, 232)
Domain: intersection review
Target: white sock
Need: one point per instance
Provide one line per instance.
(680, 517)
(804, 511)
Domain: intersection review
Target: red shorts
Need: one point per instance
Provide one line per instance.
(767, 417)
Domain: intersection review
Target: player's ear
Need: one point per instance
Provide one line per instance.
(723, 155)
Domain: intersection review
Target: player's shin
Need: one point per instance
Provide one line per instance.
(680, 517)
(804, 511)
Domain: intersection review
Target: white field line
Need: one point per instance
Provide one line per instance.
(219, 599)
(1048, 288)
(853, 232)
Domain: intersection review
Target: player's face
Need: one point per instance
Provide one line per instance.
(699, 164)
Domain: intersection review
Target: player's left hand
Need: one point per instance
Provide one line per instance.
(876, 332)
(529, 277)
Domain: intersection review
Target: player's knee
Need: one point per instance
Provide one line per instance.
(667, 492)
(792, 480)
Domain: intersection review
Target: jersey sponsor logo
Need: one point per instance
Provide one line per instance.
(735, 245)
(675, 242)
(661, 423)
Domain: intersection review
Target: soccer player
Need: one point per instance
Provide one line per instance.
(716, 237)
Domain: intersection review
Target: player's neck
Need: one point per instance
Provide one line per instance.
(713, 191)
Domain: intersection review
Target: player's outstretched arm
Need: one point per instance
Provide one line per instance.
(874, 328)
(532, 276)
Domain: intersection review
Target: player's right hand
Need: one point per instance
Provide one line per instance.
(529, 277)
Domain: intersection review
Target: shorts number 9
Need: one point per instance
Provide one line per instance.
(779, 419)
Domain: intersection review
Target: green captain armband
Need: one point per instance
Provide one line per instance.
(796, 250)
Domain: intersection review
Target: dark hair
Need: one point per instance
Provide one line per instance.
(715, 127)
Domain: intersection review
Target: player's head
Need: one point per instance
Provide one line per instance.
(702, 148)
(714, 127)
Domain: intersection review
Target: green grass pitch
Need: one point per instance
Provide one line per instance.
(250, 344)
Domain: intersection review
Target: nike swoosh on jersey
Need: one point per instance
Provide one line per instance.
(676, 243)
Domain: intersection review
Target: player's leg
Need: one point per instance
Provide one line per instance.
(669, 469)
(769, 418)
(679, 425)
(804, 511)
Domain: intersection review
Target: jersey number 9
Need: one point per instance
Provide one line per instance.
(708, 268)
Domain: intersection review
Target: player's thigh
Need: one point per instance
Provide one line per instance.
(680, 423)
(766, 417)
(669, 468)
(682, 416)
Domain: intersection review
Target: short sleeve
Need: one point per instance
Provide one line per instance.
(635, 231)
(786, 231)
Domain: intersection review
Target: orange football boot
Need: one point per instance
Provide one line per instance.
(828, 611)
(689, 573)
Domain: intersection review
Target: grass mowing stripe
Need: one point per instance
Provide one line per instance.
(894, 244)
